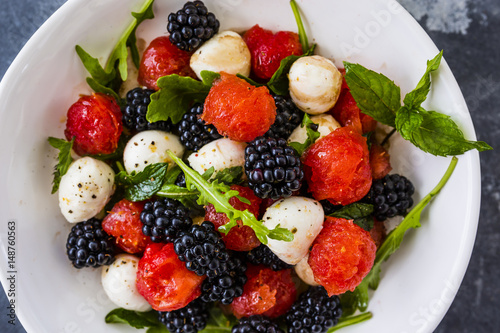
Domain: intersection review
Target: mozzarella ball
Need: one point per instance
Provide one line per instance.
(224, 52)
(305, 272)
(118, 281)
(85, 189)
(150, 147)
(303, 217)
(220, 154)
(326, 124)
(315, 84)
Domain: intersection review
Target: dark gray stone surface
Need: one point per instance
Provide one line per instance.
(469, 33)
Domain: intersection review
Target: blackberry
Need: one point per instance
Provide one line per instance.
(193, 131)
(263, 255)
(134, 113)
(164, 219)
(288, 117)
(203, 250)
(272, 167)
(89, 245)
(191, 318)
(227, 286)
(313, 312)
(181, 180)
(390, 196)
(191, 26)
(256, 323)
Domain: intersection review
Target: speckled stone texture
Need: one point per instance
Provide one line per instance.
(468, 31)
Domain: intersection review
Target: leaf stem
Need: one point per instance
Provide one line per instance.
(120, 166)
(302, 32)
(388, 136)
(344, 322)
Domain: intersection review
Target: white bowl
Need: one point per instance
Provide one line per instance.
(419, 282)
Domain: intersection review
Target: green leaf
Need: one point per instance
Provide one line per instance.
(359, 212)
(249, 80)
(302, 32)
(230, 176)
(312, 135)
(218, 322)
(146, 13)
(375, 94)
(208, 77)
(416, 97)
(395, 237)
(348, 321)
(218, 194)
(143, 185)
(158, 329)
(279, 81)
(439, 135)
(94, 68)
(408, 121)
(351, 301)
(64, 159)
(99, 88)
(174, 98)
(135, 319)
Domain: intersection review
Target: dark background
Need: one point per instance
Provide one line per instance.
(469, 32)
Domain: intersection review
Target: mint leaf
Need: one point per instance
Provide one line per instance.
(135, 319)
(249, 80)
(64, 158)
(439, 135)
(174, 98)
(279, 81)
(218, 194)
(348, 321)
(418, 95)
(359, 212)
(408, 121)
(312, 135)
(143, 185)
(375, 94)
(395, 237)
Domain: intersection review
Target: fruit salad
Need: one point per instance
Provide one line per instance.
(243, 182)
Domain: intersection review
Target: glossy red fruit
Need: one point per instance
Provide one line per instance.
(241, 237)
(124, 224)
(347, 112)
(378, 232)
(337, 167)
(380, 161)
(341, 255)
(96, 123)
(268, 49)
(239, 110)
(162, 58)
(266, 292)
(164, 281)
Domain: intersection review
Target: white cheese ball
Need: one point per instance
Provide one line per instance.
(119, 282)
(220, 154)
(150, 147)
(303, 217)
(326, 124)
(85, 189)
(315, 84)
(305, 272)
(224, 52)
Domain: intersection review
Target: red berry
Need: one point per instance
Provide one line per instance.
(379, 161)
(337, 167)
(164, 281)
(341, 256)
(268, 49)
(266, 292)
(241, 237)
(162, 58)
(96, 123)
(124, 224)
(239, 110)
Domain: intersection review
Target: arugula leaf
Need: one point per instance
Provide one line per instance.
(133, 318)
(146, 13)
(348, 321)
(375, 94)
(142, 185)
(312, 135)
(302, 32)
(354, 300)
(208, 77)
(218, 322)
(218, 194)
(64, 158)
(249, 80)
(174, 98)
(418, 95)
(359, 212)
(279, 81)
(122, 142)
(94, 68)
(229, 176)
(100, 88)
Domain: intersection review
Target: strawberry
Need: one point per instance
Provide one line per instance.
(379, 161)
(96, 123)
(268, 49)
